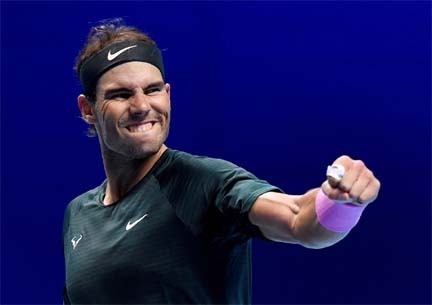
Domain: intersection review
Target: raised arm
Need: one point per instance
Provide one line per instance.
(322, 216)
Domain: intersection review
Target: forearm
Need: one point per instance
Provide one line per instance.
(294, 219)
(320, 217)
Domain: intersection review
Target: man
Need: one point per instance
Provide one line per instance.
(167, 227)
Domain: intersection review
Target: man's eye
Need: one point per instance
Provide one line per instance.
(119, 96)
(153, 90)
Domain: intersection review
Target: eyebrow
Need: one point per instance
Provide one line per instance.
(156, 84)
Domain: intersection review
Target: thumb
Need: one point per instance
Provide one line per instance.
(334, 193)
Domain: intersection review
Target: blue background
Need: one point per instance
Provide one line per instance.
(280, 88)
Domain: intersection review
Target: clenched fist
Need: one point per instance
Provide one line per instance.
(357, 185)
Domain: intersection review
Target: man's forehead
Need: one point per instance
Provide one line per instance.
(130, 74)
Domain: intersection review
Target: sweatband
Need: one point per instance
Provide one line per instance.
(115, 54)
(337, 217)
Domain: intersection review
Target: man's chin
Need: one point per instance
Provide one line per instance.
(134, 149)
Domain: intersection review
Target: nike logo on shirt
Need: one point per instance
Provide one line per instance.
(75, 240)
(113, 56)
(133, 224)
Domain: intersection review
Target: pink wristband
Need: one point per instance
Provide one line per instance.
(337, 217)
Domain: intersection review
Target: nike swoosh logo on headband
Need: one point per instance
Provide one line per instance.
(113, 56)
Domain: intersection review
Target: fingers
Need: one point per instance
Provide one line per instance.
(352, 175)
(335, 194)
(370, 193)
(358, 184)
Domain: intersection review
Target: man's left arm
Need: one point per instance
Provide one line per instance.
(322, 216)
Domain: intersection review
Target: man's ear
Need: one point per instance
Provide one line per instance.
(86, 108)
(168, 88)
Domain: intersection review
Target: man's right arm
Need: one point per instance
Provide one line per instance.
(273, 212)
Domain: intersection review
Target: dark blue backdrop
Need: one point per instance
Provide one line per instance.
(280, 88)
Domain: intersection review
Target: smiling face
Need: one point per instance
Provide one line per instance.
(132, 110)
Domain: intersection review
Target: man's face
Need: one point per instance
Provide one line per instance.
(132, 110)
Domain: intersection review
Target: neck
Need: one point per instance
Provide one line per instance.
(123, 174)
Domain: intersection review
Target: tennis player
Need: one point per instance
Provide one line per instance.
(169, 227)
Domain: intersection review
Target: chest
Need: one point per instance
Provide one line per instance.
(138, 243)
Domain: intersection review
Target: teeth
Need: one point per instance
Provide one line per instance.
(141, 128)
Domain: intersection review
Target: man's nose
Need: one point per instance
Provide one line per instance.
(139, 104)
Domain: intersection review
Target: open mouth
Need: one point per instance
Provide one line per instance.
(141, 127)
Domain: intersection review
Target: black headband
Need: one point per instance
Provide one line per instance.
(115, 54)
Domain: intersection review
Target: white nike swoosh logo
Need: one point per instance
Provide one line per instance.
(75, 241)
(133, 224)
(112, 56)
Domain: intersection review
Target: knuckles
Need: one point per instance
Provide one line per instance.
(363, 199)
(358, 164)
(344, 159)
(359, 175)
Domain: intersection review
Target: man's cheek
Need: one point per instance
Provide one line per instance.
(104, 109)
